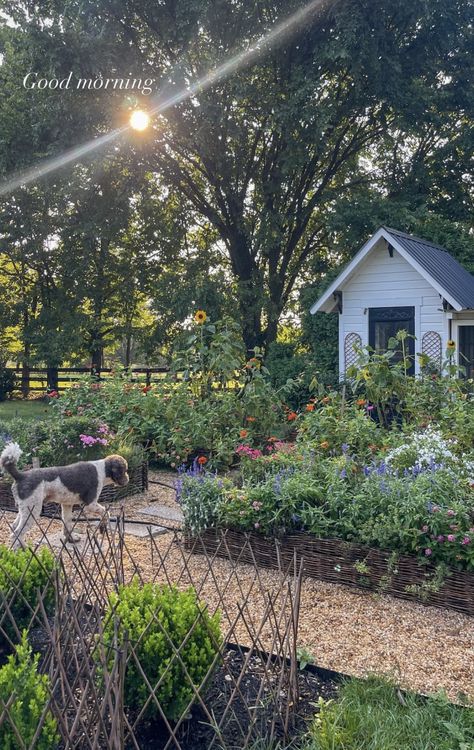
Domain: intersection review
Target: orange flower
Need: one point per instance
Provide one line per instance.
(243, 433)
(326, 400)
(291, 416)
(360, 402)
(324, 444)
(251, 419)
(202, 460)
(272, 439)
(309, 407)
(147, 388)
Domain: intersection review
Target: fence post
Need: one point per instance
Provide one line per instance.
(52, 378)
(148, 378)
(25, 380)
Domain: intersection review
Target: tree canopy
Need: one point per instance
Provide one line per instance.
(241, 194)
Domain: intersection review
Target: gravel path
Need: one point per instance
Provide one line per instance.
(352, 631)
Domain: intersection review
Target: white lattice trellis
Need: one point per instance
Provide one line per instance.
(351, 342)
(431, 346)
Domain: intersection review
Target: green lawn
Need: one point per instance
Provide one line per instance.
(26, 409)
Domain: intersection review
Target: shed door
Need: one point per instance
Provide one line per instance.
(385, 322)
(466, 349)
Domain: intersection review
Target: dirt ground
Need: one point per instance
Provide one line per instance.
(348, 630)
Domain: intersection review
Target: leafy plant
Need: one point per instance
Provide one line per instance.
(26, 693)
(200, 496)
(25, 574)
(174, 638)
(374, 714)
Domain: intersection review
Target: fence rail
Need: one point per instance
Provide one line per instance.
(51, 378)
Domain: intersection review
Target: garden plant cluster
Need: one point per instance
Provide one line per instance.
(387, 461)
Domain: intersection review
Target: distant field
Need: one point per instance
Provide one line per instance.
(26, 409)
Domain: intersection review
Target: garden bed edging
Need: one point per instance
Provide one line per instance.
(337, 561)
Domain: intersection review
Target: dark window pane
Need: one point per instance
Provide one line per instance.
(466, 349)
(384, 324)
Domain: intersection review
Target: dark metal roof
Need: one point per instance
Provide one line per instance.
(440, 265)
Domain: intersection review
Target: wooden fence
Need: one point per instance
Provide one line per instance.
(55, 378)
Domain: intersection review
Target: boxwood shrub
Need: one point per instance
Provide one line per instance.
(19, 678)
(156, 620)
(24, 573)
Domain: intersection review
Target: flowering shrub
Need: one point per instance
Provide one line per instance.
(200, 495)
(62, 441)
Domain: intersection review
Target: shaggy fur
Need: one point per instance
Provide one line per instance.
(79, 483)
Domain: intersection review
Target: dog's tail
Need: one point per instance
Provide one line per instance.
(9, 458)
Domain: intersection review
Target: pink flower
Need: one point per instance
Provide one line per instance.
(428, 552)
(440, 538)
(256, 525)
(424, 529)
(451, 512)
(451, 537)
(466, 540)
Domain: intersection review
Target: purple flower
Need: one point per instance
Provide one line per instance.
(369, 408)
(256, 525)
(440, 538)
(466, 540)
(344, 447)
(428, 551)
(451, 537)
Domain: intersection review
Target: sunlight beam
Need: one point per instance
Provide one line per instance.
(277, 35)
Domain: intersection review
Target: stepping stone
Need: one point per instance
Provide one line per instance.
(163, 511)
(55, 540)
(140, 529)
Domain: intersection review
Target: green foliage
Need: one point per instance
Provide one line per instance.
(212, 356)
(27, 692)
(158, 621)
(60, 440)
(7, 382)
(24, 574)
(374, 714)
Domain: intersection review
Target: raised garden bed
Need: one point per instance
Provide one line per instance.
(138, 483)
(337, 561)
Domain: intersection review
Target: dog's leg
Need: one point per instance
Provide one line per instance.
(68, 535)
(96, 507)
(28, 513)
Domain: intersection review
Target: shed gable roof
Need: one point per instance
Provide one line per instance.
(448, 277)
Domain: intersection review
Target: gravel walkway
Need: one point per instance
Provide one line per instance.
(351, 631)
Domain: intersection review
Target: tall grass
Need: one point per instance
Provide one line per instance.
(374, 715)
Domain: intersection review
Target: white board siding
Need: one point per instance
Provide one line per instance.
(384, 281)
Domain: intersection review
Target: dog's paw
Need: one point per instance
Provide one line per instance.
(70, 538)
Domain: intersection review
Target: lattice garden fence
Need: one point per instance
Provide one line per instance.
(248, 689)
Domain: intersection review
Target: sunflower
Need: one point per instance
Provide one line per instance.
(200, 317)
(451, 344)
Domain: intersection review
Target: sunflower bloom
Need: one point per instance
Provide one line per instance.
(200, 317)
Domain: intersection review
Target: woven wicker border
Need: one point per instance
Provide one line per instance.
(138, 483)
(343, 562)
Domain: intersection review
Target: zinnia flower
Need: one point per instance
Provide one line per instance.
(243, 433)
(202, 460)
(200, 317)
(360, 402)
(250, 419)
(428, 551)
(309, 407)
(324, 444)
(291, 416)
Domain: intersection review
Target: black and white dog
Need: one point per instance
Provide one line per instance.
(79, 483)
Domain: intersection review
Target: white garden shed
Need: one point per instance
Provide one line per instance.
(397, 281)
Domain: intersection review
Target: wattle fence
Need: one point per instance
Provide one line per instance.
(337, 561)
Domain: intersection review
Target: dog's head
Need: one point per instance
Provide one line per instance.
(116, 469)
